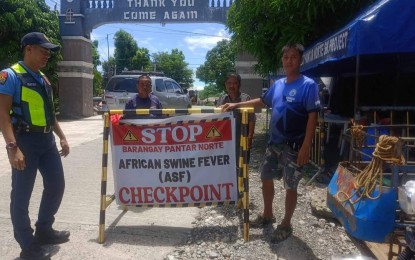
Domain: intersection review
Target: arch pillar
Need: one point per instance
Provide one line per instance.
(251, 82)
(76, 78)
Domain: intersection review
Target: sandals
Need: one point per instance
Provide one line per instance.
(260, 221)
(281, 233)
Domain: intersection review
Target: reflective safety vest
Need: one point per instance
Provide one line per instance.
(36, 100)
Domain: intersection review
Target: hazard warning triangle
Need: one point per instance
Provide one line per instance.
(130, 136)
(213, 133)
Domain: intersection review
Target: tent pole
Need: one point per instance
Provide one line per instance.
(356, 90)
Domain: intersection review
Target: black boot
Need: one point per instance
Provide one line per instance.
(51, 236)
(35, 252)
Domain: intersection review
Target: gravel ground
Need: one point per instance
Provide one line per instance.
(218, 231)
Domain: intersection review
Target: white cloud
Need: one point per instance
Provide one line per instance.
(204, 43)
(145, 41)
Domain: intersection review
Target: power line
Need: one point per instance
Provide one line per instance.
(101, 40)
(195, 58)
(173, 32)
(103, 53)
(181, 31)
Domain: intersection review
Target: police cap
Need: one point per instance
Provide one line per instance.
(38, 38)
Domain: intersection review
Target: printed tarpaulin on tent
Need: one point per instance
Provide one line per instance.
(376, 36)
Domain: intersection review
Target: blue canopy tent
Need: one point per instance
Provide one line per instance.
(381, 39)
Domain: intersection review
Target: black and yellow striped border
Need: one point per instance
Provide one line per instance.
(164, 111)
(104, 201)
(185, 205)
(180, 122)
(243, 178)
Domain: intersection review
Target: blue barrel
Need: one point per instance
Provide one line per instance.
(367, 219)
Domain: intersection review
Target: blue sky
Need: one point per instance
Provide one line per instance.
(193, 39)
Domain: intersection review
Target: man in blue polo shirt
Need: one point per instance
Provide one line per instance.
(295, 104)
(143, 100)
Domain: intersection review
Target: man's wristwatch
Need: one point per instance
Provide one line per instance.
(11, 145)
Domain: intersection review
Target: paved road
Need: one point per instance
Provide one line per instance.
(135, 234)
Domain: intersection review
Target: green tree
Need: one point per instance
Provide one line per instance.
(98, 79)
(174, 66)
(210, 90)
(108, 68)
(219, 62)
(20, 17)
(125, 49)
(141, 60)
(262, 28)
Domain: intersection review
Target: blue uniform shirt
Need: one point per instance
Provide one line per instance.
(11, 85)
(290, 105)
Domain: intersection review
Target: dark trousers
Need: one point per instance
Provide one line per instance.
(41, 154)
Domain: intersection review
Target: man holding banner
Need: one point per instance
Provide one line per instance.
(295, 104)
(234, 95)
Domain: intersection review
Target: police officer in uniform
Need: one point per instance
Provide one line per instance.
(27, 121)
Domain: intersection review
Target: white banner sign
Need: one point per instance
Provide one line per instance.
(177, 160)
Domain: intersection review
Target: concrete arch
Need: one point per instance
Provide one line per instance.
(78, 18)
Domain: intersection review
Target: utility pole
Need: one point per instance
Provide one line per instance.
(108, 45)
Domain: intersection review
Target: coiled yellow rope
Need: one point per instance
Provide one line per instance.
(358, 134)
(371, 176)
